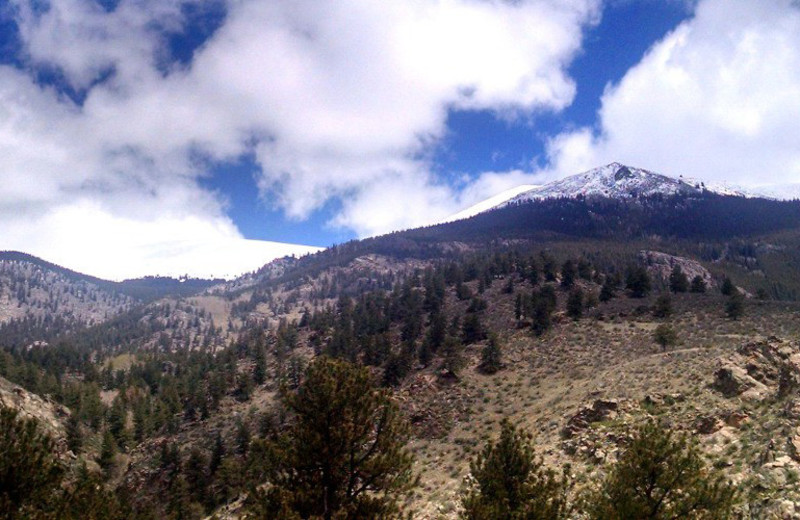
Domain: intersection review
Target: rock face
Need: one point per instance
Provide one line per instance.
(49, 415)
(732, 380)
(660, 265)
(760, 369)
(600, 410)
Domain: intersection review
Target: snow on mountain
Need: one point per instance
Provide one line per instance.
(777, 191)
(616, 180)
(612, 180)
(491, 202)
(723, 188)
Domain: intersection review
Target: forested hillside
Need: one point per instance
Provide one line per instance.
(572, 330)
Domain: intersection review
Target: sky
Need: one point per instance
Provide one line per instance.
(205, 137)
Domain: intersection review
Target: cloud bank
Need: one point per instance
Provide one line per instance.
(717, 99)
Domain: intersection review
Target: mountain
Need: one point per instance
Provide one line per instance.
(613, 180)
(617, 180)
(193, 389)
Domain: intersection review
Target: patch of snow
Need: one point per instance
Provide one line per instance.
(491, 202)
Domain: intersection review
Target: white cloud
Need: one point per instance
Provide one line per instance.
(165, 245)
(334, 98)
(717, 99)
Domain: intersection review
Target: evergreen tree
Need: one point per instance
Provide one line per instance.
(547, 294)
(607, 291)
(452, 356)
(678, 281)
(472, 330)
(491, 355)
(568, 274)
(575, 304)
(665, 336)
(698, 285)
(196, 474)
(74, 434)
(549, 267)
(734, 307)
(727, 287)
(344, 455)
(508, 481)
(532, 273)
(584, 269)
(541, 320)
(87, 499)
(217, 454)
(260, 369)
(663, 306)
(463, 292)
(29, 475)
(661, 475)
(637, 281)
(108, 452)
(437, 330)
(242, 436)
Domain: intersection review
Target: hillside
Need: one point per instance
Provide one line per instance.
(192, 390)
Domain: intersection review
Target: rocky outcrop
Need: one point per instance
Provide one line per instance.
(600, 410)
(660, 265)
(49, 415)
(770, 367)
(732, 380)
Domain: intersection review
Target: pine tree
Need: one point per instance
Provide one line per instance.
(575, 304)
(507, 480)
(637, 281)
(472, 330)
(734, 307)
(242, 436)
(217, 454)
(196, 474)
(607, 291)
(665, 336)
(260, 369)
(108, 452)
(452, 356)
(727, 287)
(661, 475)
(345, 455)
(568, 274)
(663, 306)
(541, 320)
(74, 435)
(698, 285)
(87, 499)
(491, 355)
(678, 281)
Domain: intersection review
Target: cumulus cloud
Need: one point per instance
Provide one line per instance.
(717, 99)
(334, 99)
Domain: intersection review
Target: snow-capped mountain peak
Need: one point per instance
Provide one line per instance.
(613, 180)
(616, 180)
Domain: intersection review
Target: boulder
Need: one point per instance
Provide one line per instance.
(600, 410)
(733, 380)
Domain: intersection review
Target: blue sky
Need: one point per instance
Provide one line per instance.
(205, 137)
